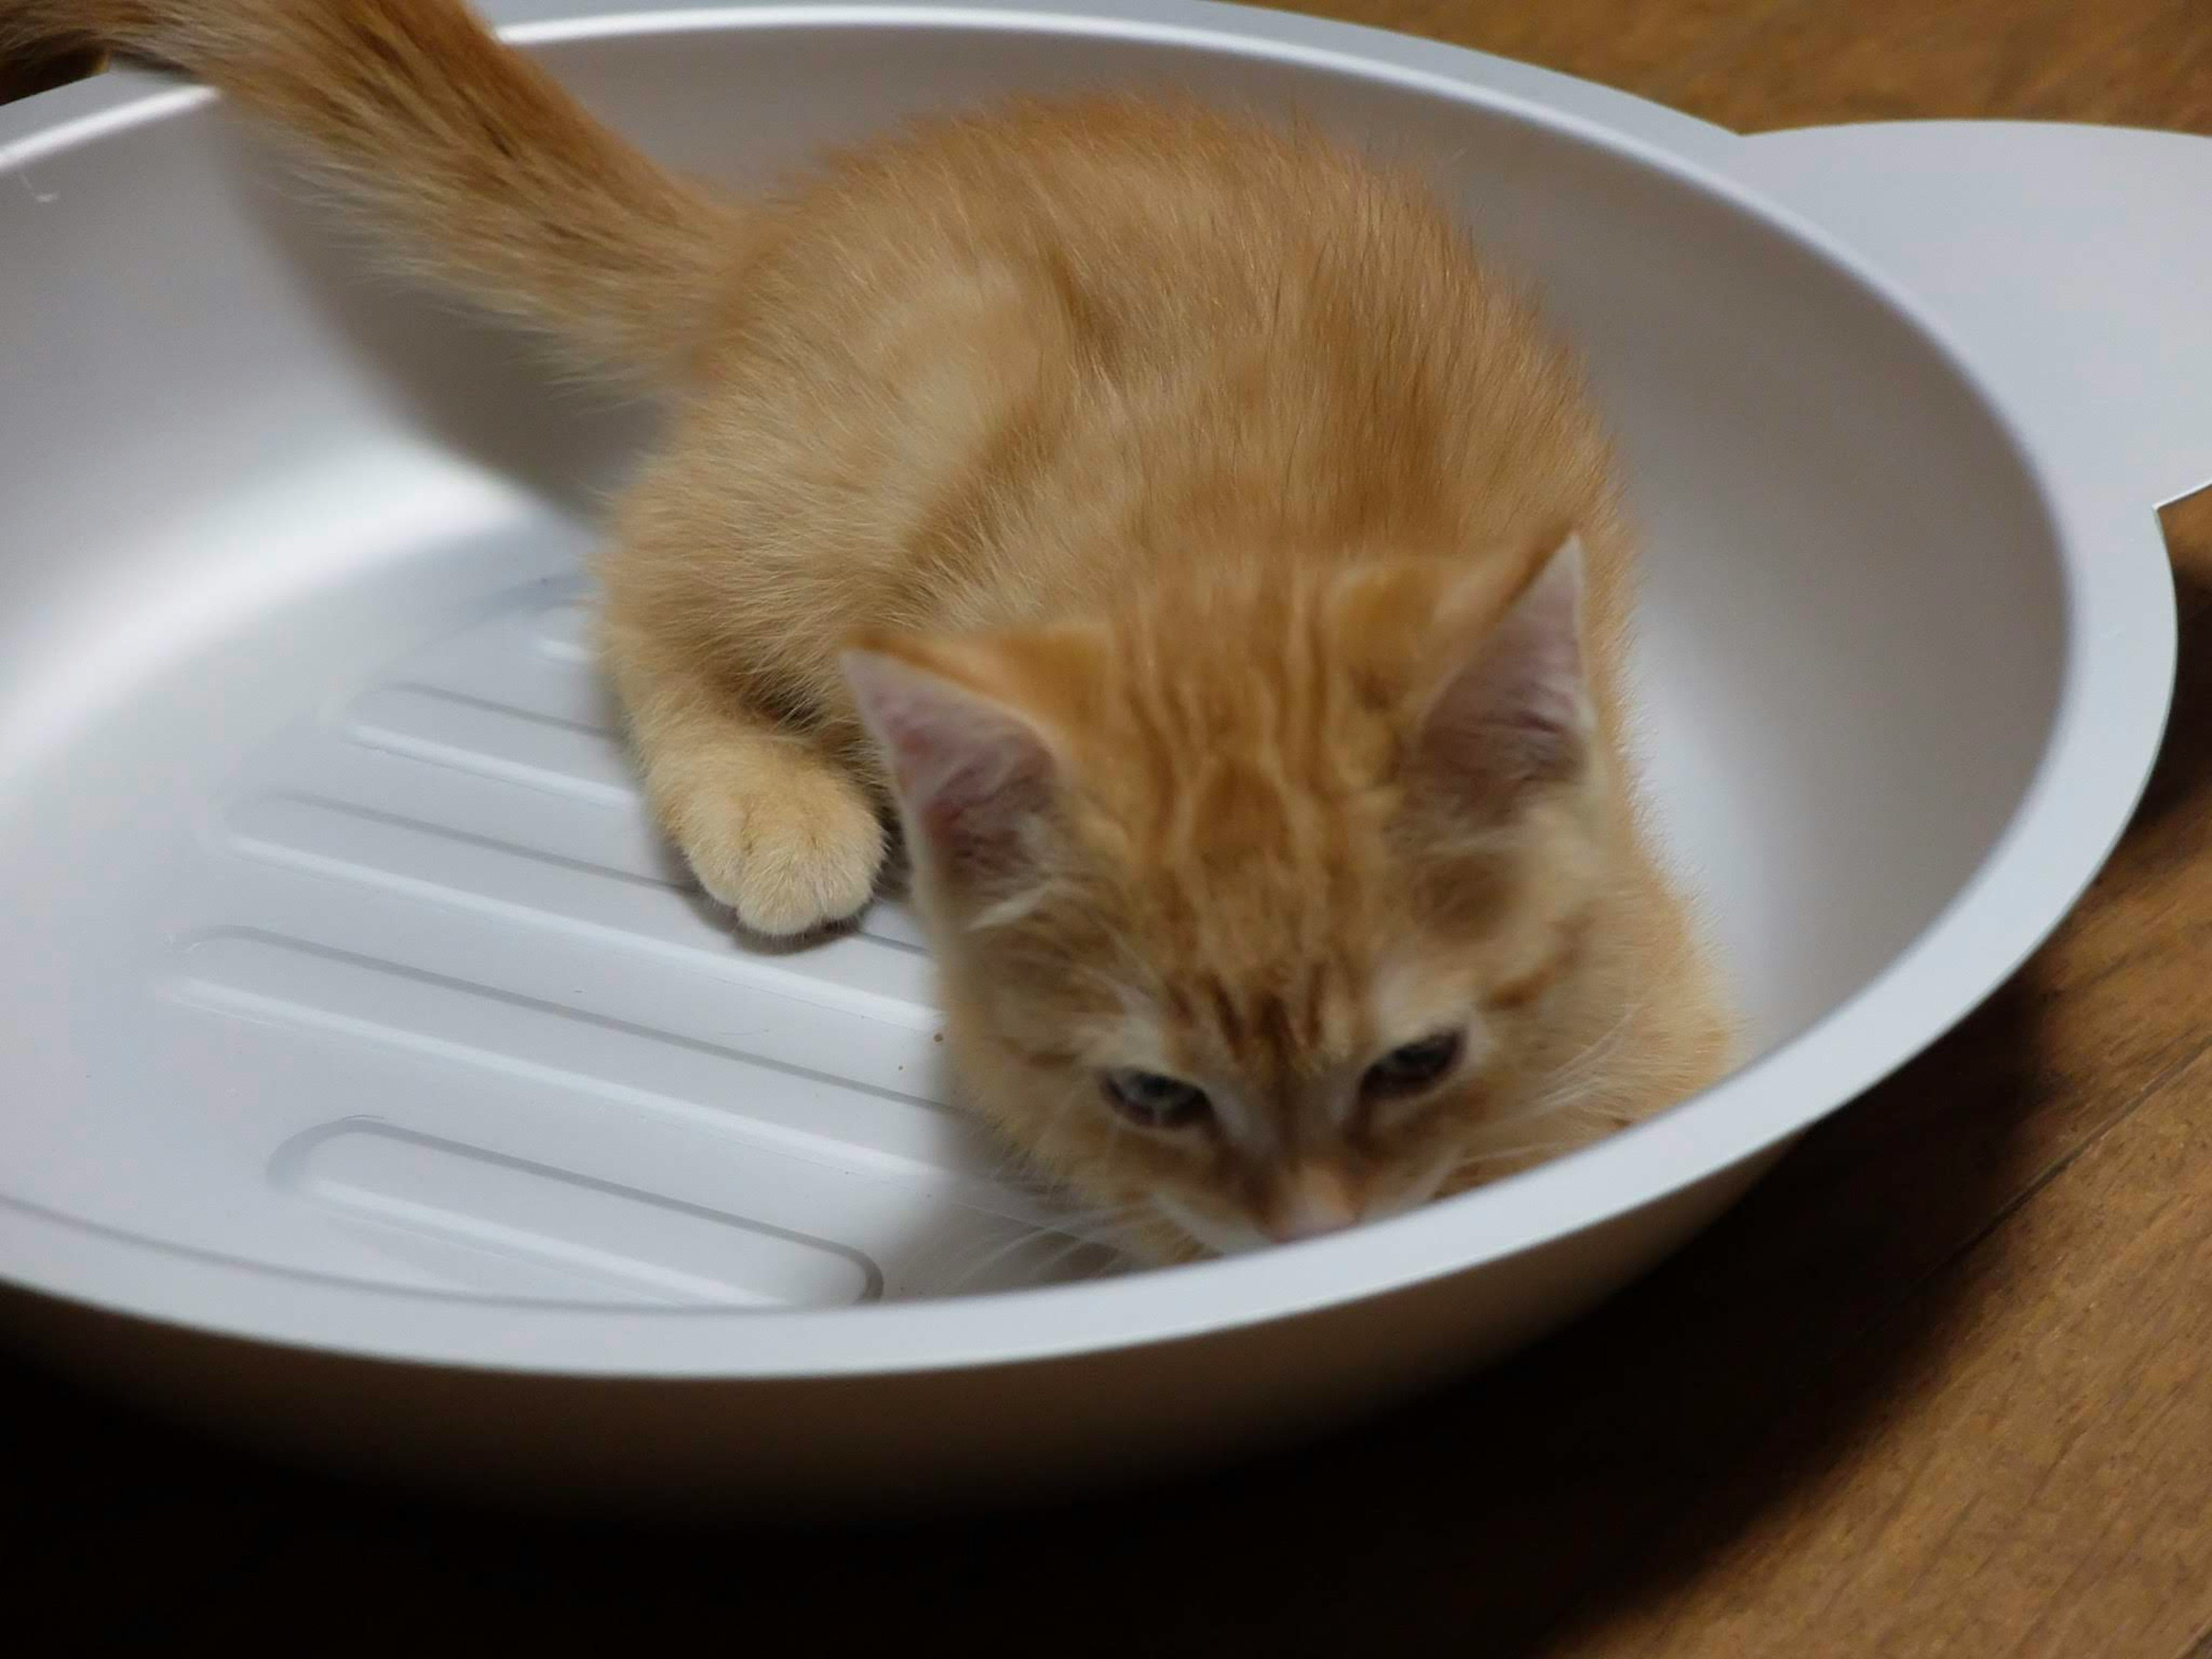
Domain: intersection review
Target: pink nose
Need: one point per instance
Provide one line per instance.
(1313, 1201)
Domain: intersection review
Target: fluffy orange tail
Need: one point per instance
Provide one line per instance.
(486, 175)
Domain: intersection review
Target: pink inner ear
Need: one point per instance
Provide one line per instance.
(1520, 710)
(969, 771)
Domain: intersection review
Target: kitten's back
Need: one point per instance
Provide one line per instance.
(1005, 364)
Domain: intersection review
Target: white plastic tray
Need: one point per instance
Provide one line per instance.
(373, 1086)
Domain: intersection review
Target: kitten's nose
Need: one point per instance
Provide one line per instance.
(1313, 1200)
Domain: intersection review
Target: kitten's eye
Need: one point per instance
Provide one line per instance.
(1156, 1101)
(1414, 1066)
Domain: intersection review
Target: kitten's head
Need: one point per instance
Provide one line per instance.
(1251, 896)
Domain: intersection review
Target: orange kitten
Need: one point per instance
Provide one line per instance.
(1216, 568)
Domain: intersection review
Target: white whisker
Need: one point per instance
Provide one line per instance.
(993, 1256)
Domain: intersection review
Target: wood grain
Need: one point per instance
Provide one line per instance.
(2133, 63)
(1942, 1385)
(2037, 1485)
(1617, 41)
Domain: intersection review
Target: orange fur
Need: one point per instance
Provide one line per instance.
(1192, 494)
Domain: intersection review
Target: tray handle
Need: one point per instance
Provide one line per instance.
(2071, 265)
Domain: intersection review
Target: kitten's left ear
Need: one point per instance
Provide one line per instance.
(969, 768)
(1516, 708)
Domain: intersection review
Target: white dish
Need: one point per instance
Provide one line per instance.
(372, 1086)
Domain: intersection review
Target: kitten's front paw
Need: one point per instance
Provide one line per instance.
(793, 859)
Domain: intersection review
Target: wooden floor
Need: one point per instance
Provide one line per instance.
(1943, 1385)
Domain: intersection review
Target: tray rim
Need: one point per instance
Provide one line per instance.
(2102, 741)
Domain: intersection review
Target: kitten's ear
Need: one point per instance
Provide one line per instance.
(1515, 708)
(968, 767)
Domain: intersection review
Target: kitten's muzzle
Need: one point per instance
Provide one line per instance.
(1313, 1199)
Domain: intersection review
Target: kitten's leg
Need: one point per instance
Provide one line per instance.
(772, 826)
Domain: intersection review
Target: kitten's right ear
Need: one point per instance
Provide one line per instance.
(1518, 709)
(970, 770)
